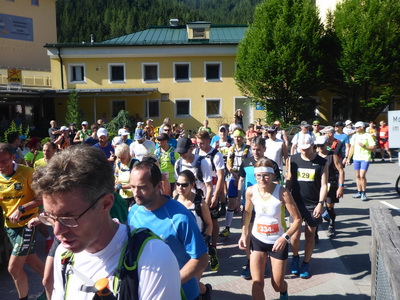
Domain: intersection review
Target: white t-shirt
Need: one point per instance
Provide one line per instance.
(300, 136)
(140, 150)
(274, 151)
(205, 171)
(218, 160)
(159, 276)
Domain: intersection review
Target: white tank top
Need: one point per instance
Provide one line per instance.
(269, 223)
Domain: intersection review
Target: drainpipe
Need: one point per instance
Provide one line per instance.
(61, 67)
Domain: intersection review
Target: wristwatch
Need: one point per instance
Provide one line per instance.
(21, 209)
(286, 237)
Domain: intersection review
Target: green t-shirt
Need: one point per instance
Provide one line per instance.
(359, 152)
(119, 209)
(29, 156)
(166, 165)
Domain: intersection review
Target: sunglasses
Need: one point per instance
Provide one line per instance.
(182, 184)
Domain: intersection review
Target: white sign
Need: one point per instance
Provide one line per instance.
(394, 128)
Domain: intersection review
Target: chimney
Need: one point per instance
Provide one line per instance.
(173, 22)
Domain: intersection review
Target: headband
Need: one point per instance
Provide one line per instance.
(263, 170)
(238, 132)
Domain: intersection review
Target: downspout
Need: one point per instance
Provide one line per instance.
(61, 67)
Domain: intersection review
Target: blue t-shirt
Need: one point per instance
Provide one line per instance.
(177, 226)
(107, 149)
(344, 138)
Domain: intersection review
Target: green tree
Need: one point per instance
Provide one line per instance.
(279, 60)
(74, 114)
(369, 35)
(122, 119)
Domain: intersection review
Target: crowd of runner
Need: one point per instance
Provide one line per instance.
(178, 184)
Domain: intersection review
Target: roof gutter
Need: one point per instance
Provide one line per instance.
(61, 66)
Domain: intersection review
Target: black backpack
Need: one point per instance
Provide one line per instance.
(199, 172)
(210, 155)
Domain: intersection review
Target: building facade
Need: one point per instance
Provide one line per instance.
(185, 73)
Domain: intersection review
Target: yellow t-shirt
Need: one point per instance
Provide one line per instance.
(40, 163)
(16, 191)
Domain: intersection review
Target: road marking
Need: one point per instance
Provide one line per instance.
(390, 205)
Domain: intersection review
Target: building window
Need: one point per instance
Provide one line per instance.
(182, 108)
(150, 72)
(213, 71)
(213, 108)
(116, 107)
(182, 72)
(153, 107)
(199, 33)
(77, 73)
(35, 2)
(116, 73)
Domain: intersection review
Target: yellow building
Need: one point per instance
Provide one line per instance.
(181, 72)
(25, 27)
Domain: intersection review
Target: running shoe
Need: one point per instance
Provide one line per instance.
(364, 197)
(325, 216)
(48, 245)
(225, 233)
(304, 271)
(284, 296)
(246, 273)
(214, 262)
(294, 266)
(358, 195)
(207, 294)
(382, 160)
(331, 231)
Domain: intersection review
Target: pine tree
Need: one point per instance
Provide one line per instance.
(74, 114)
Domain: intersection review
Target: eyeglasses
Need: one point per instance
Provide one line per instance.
(182, 184)
(167, 130)
(316, 125)
(70, 222)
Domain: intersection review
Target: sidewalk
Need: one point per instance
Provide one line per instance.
(335, 283)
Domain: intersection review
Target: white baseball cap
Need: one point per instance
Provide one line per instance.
(102, 132)
(359, 124)
(305, 141)
(348, 122)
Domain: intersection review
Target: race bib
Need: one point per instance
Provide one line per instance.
(267, 229)
(305, 174)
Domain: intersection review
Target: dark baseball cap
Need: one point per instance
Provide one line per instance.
(338, 124)
(183, 146)
(163, 137)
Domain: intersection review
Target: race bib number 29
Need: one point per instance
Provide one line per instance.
(304, 174)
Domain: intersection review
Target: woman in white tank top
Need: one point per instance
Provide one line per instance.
(269, 237)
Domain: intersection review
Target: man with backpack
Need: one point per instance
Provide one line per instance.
(166, 156)
(216, 160)
(97, 254)
(171, 221)
(195, 163)
(236, 154)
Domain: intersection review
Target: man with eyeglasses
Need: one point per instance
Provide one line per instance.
(77, 203)
(301, 136)
(19, 206)
(167, 129)
(170, 220)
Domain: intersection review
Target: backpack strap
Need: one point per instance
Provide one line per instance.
(126, 279)
(66, 259)
(197, 206)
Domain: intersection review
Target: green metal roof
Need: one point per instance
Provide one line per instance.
(169, 35)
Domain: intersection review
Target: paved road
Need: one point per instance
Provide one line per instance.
(340, 266)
